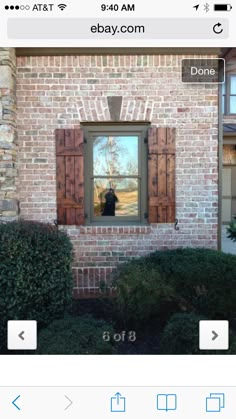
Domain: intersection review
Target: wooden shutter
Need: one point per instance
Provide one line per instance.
(70, 176)
(161, 175)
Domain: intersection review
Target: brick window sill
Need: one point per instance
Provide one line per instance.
(112, 230)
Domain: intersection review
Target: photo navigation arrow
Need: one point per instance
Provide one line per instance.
(21, 335)
(215, 335)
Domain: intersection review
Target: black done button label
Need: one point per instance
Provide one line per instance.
(203, 70)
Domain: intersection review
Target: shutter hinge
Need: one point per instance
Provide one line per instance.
(86, 215)
(85, 140)
(145, 140)
(146, 215)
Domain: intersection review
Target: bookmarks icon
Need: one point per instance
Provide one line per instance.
(166, 402)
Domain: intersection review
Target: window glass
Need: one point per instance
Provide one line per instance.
(116, 197)
(233, 85)
(115, 176)
(113, 155)
(233, 104)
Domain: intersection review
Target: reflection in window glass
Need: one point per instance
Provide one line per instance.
(113, 155)
(233, 104)
(233, 85)
(116, 197)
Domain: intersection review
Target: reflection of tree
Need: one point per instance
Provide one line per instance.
(109, 152)
(113, 158)
(132, 168)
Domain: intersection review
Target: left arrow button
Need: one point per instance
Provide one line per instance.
(15, 402)
(21, 335)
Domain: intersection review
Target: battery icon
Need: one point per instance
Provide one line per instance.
(222, 7)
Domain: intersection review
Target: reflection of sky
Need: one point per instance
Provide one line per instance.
(118, 157)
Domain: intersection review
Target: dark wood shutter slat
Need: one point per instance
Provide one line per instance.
(161, 175)
(70, 176)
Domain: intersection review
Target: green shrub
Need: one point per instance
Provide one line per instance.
(75, 336)
(204, 280)
(181, 335)
(35, 272)
(231, 230)
(142, 292)
(199, 280)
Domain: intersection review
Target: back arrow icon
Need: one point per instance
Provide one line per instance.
(14, 402)
(21, 335)
(215, 336)
(70, 402)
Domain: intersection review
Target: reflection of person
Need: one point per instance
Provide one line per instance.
(110, 202)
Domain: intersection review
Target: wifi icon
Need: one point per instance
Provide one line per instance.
(62, 6)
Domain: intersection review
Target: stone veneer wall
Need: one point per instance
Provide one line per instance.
(63, 91)
(8, 137)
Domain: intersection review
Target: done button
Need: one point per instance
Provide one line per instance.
(203, 70)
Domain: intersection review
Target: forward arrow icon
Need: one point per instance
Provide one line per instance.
(70, 402)
(215, 335)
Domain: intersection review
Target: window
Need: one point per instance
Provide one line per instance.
(229, 95)
(116, 174)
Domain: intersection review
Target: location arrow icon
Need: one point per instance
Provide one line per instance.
(70, 402)
(196, 7)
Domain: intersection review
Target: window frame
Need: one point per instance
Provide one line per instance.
(136, 129)
(226, 97)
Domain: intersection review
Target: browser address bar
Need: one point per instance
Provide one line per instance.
(96, 28)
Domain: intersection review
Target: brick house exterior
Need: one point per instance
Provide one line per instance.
(229, 141)
(62, 92)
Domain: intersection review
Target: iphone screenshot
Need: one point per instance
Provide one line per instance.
(117, 209)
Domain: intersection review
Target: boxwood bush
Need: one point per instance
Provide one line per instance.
(75, 336)
(195, 280)
(35, 272)
(181, 335)
(142, 292)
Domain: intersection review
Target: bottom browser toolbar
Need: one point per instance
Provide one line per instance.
(126, 402)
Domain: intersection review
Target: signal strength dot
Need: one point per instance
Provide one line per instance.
(62, 6)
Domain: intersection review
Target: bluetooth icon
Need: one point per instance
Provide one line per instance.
(206, 7)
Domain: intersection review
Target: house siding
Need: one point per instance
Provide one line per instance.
(63, 91)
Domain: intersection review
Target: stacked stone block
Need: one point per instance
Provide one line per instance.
(8, 146)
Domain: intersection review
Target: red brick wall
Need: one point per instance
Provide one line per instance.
(60, 92)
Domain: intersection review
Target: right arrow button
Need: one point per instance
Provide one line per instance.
(215, 335)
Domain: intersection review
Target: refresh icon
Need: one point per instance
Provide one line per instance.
(217, 28)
